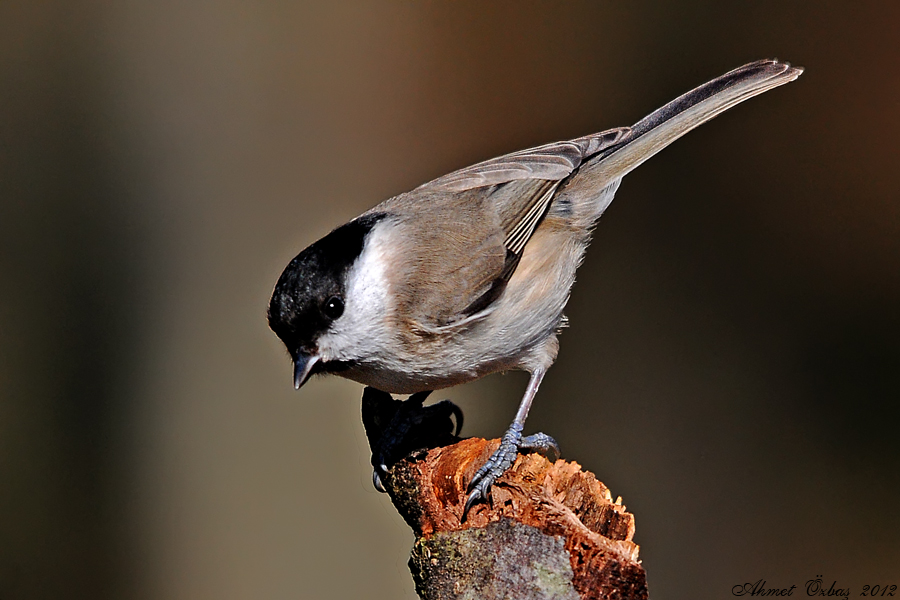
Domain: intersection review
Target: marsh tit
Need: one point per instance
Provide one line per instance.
(468, 275)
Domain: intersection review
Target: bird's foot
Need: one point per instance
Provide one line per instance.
(396, 428)
(504, 457)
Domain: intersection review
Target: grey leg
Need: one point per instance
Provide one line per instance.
(512, 441)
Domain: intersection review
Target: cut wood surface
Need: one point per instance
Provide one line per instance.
(550, 530)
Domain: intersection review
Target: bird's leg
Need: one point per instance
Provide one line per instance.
(512, 441)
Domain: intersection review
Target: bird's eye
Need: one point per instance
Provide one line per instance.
(333, 308)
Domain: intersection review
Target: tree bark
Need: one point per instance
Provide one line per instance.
(550, 530)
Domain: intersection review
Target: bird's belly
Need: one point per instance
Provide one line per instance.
(419, 378)
(455, 359)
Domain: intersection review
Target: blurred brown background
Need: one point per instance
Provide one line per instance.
(733, 365)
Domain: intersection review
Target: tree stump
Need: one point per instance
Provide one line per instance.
(550, 530)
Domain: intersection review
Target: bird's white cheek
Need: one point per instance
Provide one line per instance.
(361, 331)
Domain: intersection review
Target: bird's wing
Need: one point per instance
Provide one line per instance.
(550, 162)
(472, 226)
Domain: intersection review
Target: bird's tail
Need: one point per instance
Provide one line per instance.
(665, 125)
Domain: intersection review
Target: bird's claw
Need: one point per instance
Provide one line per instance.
(377, 473)
(503, 458)
(495, 466)
(541, 443)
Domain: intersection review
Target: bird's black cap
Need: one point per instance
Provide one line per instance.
(310, 293)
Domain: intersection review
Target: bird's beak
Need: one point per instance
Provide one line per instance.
(303, 365)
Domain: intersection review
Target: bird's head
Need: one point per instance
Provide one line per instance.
(310, 296)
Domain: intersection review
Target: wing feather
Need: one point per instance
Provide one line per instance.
(550, 162)
(484, 216)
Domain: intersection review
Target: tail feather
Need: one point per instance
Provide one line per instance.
(665, 125)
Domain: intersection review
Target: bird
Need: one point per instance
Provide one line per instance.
(469, 274)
